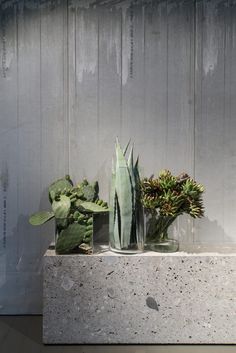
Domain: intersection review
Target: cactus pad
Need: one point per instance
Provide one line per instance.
(40, 218)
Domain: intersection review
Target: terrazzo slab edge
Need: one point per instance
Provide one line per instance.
(146, 299)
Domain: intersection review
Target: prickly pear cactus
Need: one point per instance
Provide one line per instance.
(70, 238)
(88, 192)
(72, 208)
(61, 207)
(73, 235)
(58, 186)
(39, 218)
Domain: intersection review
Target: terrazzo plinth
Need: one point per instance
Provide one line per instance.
(147, 299)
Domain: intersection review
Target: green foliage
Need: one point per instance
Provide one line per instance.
(88, 192)
(61, 208)
(125, 208)
(173, 195)
(40, 218)
(167, 197)
(70, 238)
(72, 208)
(59, 186)
(93, 206)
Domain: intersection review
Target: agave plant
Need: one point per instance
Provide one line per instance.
(126, 213)
(72, 208)
(167, 197)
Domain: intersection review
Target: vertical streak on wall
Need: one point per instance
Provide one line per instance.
(210, 117)
(180, 97)
(29, 152)
(53, 100)
(8, 154)
(155, 82)
(230, 123)
(109, 85)
(65, 10)
(71, 79)
(84, 116)
(133, 98)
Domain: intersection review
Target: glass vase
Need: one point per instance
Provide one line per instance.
(157, 238)
(73, 237)
(134, 243)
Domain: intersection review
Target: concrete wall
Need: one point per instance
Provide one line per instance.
(76, 74)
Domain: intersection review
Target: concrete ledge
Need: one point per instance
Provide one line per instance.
(148, 298)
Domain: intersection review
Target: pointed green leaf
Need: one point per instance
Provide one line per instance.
(117, 225)
(123, 189)
(112, 207)
(126, 147)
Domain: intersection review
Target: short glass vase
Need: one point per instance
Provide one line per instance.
(73, 237)
(157, 238)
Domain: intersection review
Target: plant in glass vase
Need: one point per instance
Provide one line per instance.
(164, 199)
(73, 207)
(126, 228)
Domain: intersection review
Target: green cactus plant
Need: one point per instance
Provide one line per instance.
(72, 208)
(126, 215)
(40, 218)
(70, 238)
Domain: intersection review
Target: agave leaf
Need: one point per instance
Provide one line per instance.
(123, 189)
(112, 167)
(133, 237)
(117, 225)
(61, 208)
(131, 158)
(126, 147)
(92, 207)
(40, 218)
(112, 208)
(70, 238)
(139, 214)
(131, 171)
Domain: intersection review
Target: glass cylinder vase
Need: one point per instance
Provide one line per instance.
(126, 219)
(157, 237)
(128, 240)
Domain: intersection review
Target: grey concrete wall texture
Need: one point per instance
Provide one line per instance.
(76, 74)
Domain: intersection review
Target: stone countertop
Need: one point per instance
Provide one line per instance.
(196, 252)
(148, 298)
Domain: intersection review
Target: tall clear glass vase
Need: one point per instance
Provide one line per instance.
(126, 221)
(124, 242)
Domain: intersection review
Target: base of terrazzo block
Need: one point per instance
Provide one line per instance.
(148, 299)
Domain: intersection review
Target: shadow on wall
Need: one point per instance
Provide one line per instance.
(215, 239)
(35, 239)
(21, 263)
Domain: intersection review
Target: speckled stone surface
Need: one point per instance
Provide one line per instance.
(148, 298)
